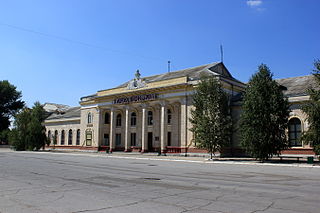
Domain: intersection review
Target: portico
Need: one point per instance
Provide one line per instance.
(145, 127)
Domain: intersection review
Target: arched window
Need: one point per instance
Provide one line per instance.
(107, 118)
(133, 119)
(89, 118)
(78, 137)
(169, 114)
(49, 136)
(55, 137)
(150, 118)
(295, 132)
(62, 137)
(70, 137)
(118, 120)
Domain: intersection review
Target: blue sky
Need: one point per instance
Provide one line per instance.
(58, 51)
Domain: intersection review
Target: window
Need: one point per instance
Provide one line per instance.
(89, 118)
(133, 139)
(118, 120)
(169, 114)
(88, 137)
(133, 119)
(118, 139)
(49, 136)
(106, 140)
(62, 137)
(169, 138)
(295, 132)
(70, 137)
(150, 118)
(55, 137)
(78, 137)
(107, 118)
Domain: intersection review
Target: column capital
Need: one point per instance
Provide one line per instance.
(144, 105)
(163, 103)
(183, 100)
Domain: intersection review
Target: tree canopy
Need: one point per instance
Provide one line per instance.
(211, 116)
(264, 119)
(312, 109)
(10, 103)
(28, 132)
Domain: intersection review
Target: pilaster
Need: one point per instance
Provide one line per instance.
(126, 134)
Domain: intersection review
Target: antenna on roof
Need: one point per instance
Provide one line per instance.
(169, 66)
(221, 52)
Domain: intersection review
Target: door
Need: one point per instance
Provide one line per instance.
(150, 141)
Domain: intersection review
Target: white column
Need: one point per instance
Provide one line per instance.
(183, 123)
(126, 134)
(163, 132)
(144, 143)
(112, 132)
(98, 127)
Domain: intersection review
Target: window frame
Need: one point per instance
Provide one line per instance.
(70, 137)
(150, 118)
(295, 141)
(119, 120)
(133, 119)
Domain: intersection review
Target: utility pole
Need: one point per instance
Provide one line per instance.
(221, 52)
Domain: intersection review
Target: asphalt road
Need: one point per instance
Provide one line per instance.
(55, 182)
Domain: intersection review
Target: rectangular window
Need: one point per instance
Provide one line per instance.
(118, 139)
(88, 138)
(169, 138)
(133, 139)
(106, 139)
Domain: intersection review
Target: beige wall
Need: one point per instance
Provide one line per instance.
(66, 126)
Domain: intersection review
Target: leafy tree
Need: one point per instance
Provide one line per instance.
(265, 116)
(29, 133)
(312, 109)
(211, 118)
(10, 103)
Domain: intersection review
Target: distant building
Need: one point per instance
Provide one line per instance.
(151, 114)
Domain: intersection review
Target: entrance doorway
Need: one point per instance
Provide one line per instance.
(150, 141)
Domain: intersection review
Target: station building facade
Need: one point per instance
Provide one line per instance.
(151, 114)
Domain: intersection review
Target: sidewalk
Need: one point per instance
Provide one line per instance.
(180, 158)
(197, 159)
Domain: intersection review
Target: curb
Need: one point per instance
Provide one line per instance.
(162, 158)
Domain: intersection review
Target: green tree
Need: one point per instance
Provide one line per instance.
(10, 103)
(264, 117)
(312, 109)
(28, 132)
(211, 118)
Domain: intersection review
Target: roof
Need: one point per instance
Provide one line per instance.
(52, 107)
(71, 112)
(298, 86)
(194, 73)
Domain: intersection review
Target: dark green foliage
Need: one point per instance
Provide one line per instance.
(10, 103)
(211, 118)
(312, 109)
(265, 116)
(4, 136)
(29, 133)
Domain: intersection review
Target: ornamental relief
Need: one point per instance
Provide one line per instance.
(137, 82)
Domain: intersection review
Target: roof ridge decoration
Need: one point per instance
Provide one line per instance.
(137, 82)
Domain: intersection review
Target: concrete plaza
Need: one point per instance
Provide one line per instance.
(64, 182)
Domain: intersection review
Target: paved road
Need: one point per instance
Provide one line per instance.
(55, 182)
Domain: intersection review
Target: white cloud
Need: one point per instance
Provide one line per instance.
(254, 3)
